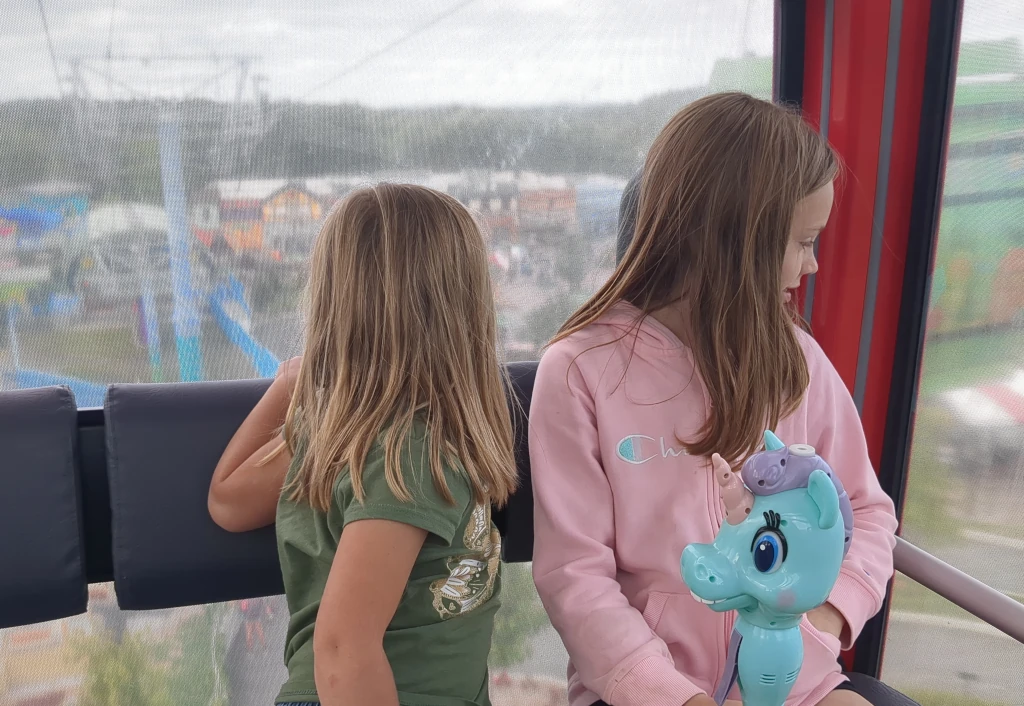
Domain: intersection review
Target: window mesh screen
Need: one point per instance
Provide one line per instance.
(966, 479)
(165, 167)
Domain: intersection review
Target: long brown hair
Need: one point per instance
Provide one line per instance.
(719, 189)
(400, 325)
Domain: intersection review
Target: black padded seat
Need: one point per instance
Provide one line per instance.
(163, 442)
(42, 558)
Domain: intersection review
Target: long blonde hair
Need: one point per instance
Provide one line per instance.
(400, 325)
(717, 197)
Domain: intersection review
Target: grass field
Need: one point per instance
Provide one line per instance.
(941, 698)
(110, 353)
(950, 363)
(912, 597)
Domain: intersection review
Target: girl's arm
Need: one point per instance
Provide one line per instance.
(377, 550)
(836, 431)
(243, 494)
(368, 577)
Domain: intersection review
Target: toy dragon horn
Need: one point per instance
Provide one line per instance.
(737, 499)
(772, 442)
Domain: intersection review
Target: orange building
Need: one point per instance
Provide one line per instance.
(547, 209)
(273, 216)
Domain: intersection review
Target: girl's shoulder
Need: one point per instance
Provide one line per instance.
(621, 329)
(826, 387)
(807, 343)
(818, 364)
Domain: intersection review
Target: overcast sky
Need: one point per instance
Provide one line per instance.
(490, 52)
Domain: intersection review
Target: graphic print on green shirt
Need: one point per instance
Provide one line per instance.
(438, 641)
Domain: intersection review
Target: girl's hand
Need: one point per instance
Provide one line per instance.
(703, 700)
(288, 372)
(827, 619)
(245, 487)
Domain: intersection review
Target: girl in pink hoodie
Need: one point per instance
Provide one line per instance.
(692, 347)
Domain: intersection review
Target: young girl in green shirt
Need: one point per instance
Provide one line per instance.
(380, 453)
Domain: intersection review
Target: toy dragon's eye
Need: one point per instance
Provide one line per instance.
(768, 551)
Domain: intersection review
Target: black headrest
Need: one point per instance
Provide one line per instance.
(163, 442)
(628, 205)
(42, 562)
(515, 520)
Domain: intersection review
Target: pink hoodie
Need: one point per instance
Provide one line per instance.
(617, 500)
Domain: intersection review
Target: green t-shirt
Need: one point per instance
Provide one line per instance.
(439, 639)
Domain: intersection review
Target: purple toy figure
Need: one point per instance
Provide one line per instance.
(780, 468)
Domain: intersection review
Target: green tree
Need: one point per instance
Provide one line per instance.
(125, 672)
(520, 617)
(197, 675)
(126, 669)
(545, 320)
(312, 139)
(573, 262)
(136, 176)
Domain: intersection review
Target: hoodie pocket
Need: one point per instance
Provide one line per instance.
(655, 609)
(692, 634)
(827, 640)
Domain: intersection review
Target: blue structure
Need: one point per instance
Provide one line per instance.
(263, 361)
(597, 208)
(151, 328)
(187, 325)
(87, 394)
(32, 222)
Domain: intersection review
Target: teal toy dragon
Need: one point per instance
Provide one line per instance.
(777, 556)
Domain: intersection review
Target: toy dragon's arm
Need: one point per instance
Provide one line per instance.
(731, 670)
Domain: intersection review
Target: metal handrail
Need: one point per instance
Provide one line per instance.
(978, 599)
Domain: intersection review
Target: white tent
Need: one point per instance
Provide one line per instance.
(119, 219)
